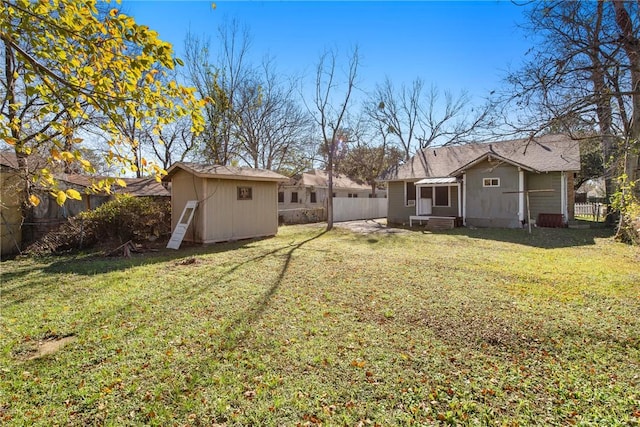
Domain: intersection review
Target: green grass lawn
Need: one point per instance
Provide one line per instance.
(466, 327)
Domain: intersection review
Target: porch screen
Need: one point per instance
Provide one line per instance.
(410, 194)
(441, 196)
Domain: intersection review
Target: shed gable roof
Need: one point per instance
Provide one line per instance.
(548, 153)
(224, 172)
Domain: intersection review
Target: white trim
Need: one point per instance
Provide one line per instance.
(459, 200)
(521, 195)
(484, 182)
(563, 196)
(433, 196)
(464, 199)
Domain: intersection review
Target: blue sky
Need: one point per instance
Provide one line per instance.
(455, 45)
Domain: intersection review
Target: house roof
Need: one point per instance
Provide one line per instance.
(549, 153)
(143, 187)
(137, 187)
(320, 179)
(9, 159)
(224, 172)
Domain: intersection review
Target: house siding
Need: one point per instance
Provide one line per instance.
(544, 202)
(228, 218)
(490, 206)
(397, 212)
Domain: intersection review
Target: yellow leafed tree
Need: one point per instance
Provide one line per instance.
(64, 62)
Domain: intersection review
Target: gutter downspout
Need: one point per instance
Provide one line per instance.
(563, 197)
(521, 206)
(459, 200)
(464, 199)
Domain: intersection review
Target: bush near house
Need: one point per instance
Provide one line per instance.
(126, 218)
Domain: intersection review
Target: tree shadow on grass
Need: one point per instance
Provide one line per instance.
(15, 289)
(545, 238)
(236, 331)
(93, 264)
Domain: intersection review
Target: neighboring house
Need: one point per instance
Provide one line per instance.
(487, 185)
(310, 190)
(48, 214)
(233, 202)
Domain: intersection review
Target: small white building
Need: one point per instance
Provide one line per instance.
(311, 189)
(232, 202)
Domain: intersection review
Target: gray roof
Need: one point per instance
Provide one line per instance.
(320, 179)
(547, 153)
(224, 172)
(9, 160)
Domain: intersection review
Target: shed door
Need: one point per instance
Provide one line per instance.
(182, 225)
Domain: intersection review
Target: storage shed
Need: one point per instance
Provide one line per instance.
(232, 202)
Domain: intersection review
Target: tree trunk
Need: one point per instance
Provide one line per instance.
(330, 185)
(21, 156)
(631, 46)
(604, 112)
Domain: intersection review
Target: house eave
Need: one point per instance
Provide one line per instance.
(489, 157)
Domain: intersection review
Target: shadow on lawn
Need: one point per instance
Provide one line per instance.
(92, 264)
(545, 238)
(236, 331)
(98, 264)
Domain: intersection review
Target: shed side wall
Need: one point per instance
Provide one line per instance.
(10, 192)
(231, 219)
(185, 187)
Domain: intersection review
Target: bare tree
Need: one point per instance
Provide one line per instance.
(370, 154)
(585, 65)
(330, 106)
(419, 119)
(271, 127)
(397, 112)
(214, 142)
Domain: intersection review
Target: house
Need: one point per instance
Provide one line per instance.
(500, 184)
(303, 198)
(48, 214)
(232, 202)
(310, 190)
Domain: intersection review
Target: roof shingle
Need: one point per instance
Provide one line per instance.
(225, 172)
(543, 154)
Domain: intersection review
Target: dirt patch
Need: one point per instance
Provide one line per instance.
(474, 330)
(370, 226)
(46, 347)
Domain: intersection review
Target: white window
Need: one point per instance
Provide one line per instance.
(491, 182)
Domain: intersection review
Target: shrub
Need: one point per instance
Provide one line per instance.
(129, 218)
(117, 221)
